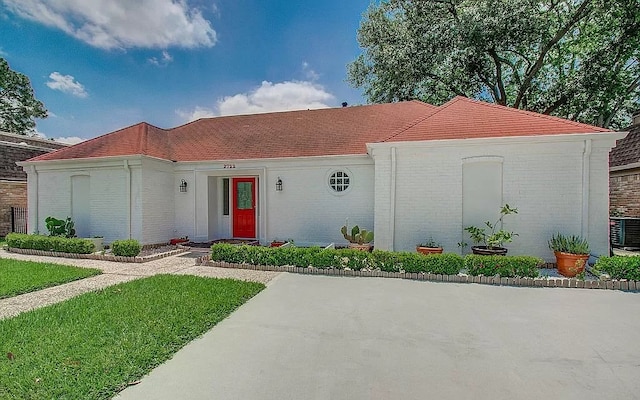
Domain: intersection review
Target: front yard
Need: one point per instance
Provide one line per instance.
(17, 277)
(94, 345)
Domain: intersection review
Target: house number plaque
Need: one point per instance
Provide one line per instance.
(228, 166)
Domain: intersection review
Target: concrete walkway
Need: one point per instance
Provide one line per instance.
(318, 337)
(114, 273)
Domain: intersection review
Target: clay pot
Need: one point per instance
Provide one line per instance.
(429, 250)
(570, 264)
(486, 251)
(362, 247)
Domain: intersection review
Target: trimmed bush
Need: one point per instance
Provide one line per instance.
(447, 264)
(126, 248)
(619, 267)
(505, 266)
(50, 243)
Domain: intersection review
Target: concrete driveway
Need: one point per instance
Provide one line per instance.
(319, 337)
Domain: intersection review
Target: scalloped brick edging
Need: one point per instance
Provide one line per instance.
(630, 286)
(101, 257)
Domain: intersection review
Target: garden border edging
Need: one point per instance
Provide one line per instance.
(101, 257)
(624, 285)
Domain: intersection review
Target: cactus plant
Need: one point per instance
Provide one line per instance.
(357, 236)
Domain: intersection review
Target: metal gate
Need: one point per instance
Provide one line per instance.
(19, 219)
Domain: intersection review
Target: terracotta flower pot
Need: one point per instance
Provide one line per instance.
(569, 264)
(276, 243)
(362, 247)
(429, 250)
(486, 251)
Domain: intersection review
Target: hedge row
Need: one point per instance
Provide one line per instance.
(446, 264)
(619, 267)
(505, 266)
(50, 243)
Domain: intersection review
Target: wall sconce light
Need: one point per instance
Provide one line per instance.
(183, 186)
(279, 185)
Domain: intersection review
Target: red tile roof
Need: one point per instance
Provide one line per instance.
(464, 118)
(331, 131)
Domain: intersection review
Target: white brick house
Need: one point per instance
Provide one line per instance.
(408, 170)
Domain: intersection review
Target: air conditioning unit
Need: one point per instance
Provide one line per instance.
(625, 232)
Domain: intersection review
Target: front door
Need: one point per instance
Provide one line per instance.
(244, 207)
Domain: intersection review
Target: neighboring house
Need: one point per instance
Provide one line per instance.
(13, 180)
(624, 171)
(408, 170)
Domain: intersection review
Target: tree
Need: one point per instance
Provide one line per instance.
(18, 105)
(576, 59)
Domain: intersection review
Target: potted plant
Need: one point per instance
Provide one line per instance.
(429, 247)
(572, 253)
(491, 239)
(358, 239)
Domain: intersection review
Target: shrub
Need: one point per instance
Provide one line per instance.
(50, 243)
(448, 264)
(126, 248)
(619, 267)
(505, 266)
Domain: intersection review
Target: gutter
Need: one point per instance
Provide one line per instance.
(34, 171)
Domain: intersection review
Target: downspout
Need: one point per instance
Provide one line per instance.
(586, 164)
(263, 214)
(128, 169)
(35, 196)
(392, 207)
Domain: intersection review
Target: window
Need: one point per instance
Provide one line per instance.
(339, 181)
(225, 196)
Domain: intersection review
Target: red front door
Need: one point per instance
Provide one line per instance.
(244, 207)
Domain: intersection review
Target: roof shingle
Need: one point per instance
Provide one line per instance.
(323, 132)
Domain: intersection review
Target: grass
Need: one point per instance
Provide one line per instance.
(17, 277)
(92, 346)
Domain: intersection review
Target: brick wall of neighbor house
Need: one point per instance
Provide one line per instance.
(624, 193)
(543, 180)
(12, 194)
(13, 186)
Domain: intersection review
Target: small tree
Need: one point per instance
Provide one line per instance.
(18, 104)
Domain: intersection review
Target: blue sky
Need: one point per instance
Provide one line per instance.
(101, 65)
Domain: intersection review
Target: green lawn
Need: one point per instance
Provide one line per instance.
(17, 277)
(93, 345)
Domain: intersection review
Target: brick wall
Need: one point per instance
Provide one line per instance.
(20, 148)
(12, 194)
(624, 193)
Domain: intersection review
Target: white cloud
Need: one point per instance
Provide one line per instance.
(121, 24)
(196, 113)
(3, 53)
(269, 97)
(309, 73)
(165, 58)
(69, 139)
(66, 84)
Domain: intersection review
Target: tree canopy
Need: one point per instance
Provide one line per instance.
(18, 105)
(576, 59)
